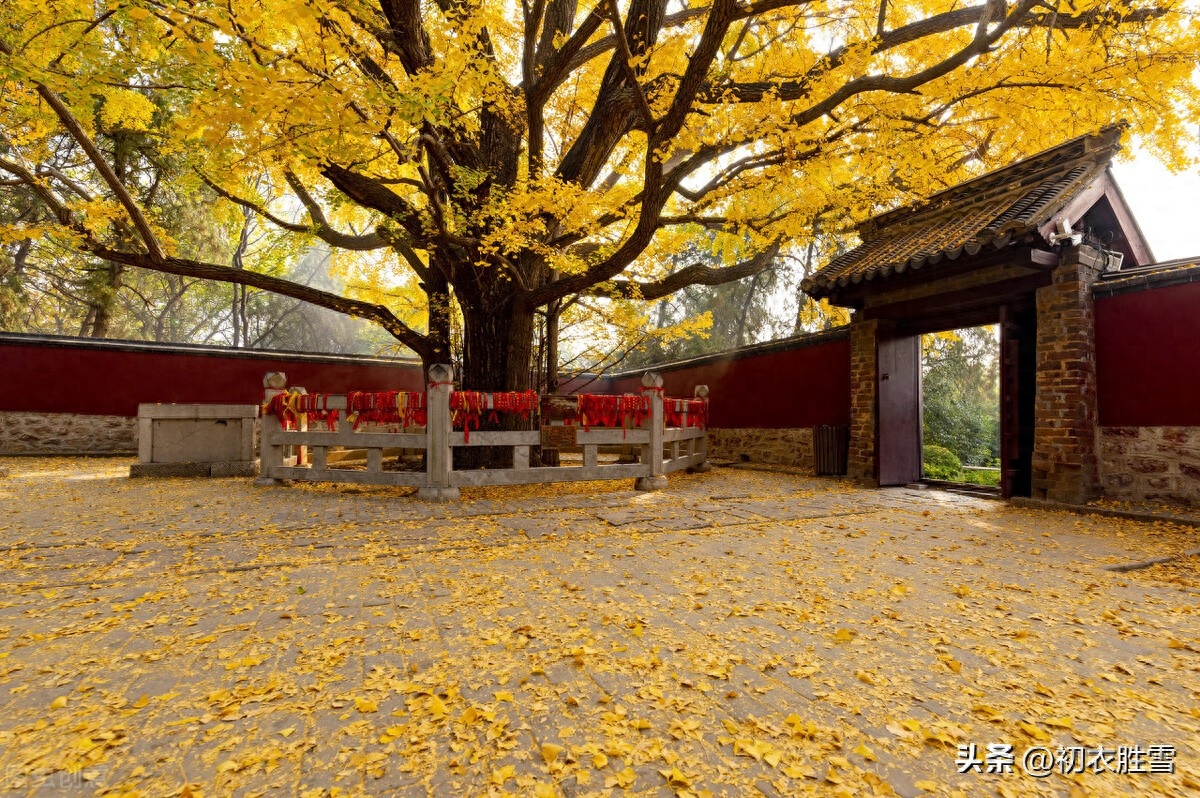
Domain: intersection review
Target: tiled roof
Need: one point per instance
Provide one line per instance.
(1156, 275)
(993, 210)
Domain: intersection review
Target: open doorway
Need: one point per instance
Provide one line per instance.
(961, 407)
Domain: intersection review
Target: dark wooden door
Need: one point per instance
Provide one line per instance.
(1010, 409)
(900, 410)
(1018, 372)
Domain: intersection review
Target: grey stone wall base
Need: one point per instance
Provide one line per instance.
(789, 446)
(66, 434)
(650, 483)
(438, 494)
(232, 468)
(235, 468)
(703, 468)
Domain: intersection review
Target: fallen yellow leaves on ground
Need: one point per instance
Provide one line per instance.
(445, 654)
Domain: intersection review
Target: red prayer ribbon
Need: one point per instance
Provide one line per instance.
(468, 407)
(600, 410)
(694, 410)
(406, 408)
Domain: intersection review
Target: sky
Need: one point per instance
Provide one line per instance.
(1166, 206)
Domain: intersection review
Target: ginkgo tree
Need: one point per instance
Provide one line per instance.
(501, 159)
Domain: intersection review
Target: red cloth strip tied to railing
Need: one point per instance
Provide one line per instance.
(290, 406)
(315, 406)
(468, 407)
(599, 410)
(280, 406)
(406, 408)
(696, 412)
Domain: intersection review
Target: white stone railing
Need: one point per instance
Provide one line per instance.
(301, 454)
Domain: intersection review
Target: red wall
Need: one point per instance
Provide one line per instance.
(99, 379)
(1148, 357)
(786, 384)
(789, 387)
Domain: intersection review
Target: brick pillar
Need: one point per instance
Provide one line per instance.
(864, 384)
(1065, 432)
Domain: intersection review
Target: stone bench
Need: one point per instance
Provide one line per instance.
(195, 440)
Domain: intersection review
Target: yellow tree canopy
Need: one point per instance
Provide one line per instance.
(507, 157)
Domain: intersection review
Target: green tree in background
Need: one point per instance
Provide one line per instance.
(962, 394)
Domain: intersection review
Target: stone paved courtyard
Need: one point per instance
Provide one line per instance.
(740, 633)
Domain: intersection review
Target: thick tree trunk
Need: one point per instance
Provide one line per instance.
(437, 291)
(497, 356)
(497, 345)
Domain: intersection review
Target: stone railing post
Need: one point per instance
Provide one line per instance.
(701, 393)
(439, 455)
(652, 453)
(270, 447)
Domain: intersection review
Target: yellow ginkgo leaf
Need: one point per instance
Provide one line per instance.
(550, 752)
(1033, 731)
(865, 752)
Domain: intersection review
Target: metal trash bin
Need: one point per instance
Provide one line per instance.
(831, 445)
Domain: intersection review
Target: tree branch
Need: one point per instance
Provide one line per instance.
(43, 192)
(626, 61)
(324, 230)
(408, 33)
(653, 198)
(696, 274)
(371, 193)
(98, 162)
(979, 45)
(276, 285)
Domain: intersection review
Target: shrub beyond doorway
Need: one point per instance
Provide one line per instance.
(961, 402)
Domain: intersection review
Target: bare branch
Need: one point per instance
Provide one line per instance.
(696, 274)
(292, 227)
(227, 274)
(43, 192)
(324, 230)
